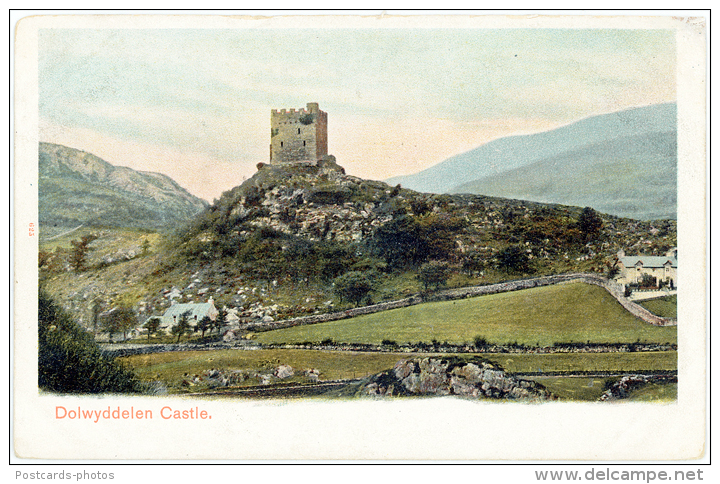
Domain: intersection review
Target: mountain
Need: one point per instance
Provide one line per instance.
(75, 187)
(634, 176)
(514, 152)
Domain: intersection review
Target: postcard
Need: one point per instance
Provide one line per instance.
(344, 237)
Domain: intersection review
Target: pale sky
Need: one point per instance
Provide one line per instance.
(195, 104)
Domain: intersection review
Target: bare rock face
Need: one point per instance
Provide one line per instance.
(476, 378)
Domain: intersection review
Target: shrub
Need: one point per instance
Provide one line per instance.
(480, 342)
(353, 286)
(69, 360)
(513, 259)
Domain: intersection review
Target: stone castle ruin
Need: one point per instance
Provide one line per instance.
(298, 135)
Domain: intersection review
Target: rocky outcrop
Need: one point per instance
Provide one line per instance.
(476, 378)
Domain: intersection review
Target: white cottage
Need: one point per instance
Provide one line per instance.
(197, 312)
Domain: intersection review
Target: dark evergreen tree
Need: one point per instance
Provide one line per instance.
(589, 223)
(435, 273)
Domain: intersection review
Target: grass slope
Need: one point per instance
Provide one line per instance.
(541, 316)
(665, 307)
(580, 362)
(654, 392)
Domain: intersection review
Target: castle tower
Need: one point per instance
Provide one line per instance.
(298, 135)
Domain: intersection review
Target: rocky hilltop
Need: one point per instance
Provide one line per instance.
(76, 187)
(276, 246)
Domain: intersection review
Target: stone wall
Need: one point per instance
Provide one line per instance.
(614, 289)
(324, 318)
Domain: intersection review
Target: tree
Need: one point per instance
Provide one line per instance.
(145, 246)
(220, 320)
(44, 258)
(612, 271)
(70, 361)
(203, 325)
(79, 251)
(152, 325)
(513, 259)
(353, 286)
(119, 320)
(589, 223)
(435, 273)
(183, 326)
(400, 242)
(648, 281)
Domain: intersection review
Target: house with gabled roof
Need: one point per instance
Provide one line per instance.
(197, 312)
(662, 268)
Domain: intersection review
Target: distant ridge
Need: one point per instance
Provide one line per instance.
(572, 151)
(634, 177)
(76, 187)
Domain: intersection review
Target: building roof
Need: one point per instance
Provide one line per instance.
(197, 311)
(648, 260)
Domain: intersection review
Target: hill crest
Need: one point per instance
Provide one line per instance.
(76, 187)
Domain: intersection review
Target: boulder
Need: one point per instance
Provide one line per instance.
(284, 371)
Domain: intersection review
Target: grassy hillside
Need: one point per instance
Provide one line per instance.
(541, 316)
(632, 176)
(665, 307)
(169, 367)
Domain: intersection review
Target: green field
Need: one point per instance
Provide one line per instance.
(665, 307)
(563, 313)
(171, 367)
(590, 389)
(333, 365)
(578, 362)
